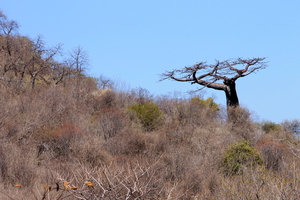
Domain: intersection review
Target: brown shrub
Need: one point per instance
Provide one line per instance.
(273, 154)
(240, 123)
(17, 165)
(178, 164)
(109, 122)
(89, 152)
(67, 129)
(101, 99)
(127, 143)
(60, 140)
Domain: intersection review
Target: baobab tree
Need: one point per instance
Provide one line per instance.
(212, 76)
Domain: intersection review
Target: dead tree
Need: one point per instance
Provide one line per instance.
(219, 76)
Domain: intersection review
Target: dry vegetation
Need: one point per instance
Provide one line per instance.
(76, 139)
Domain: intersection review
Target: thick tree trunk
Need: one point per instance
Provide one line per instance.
(231, 95)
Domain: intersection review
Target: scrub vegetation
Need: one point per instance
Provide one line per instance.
(64, 135)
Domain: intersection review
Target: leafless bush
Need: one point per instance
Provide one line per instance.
(59, 142)
(273, 154)
(127, 143)
(141, 95)
(17, 165)
(90, 152)
(101, 99)
(109, 122)
(240, 123)
(132, 181)
(260, 184)
(292, 126)
(177, 166)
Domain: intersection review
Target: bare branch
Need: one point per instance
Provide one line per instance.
(248, 66)
(221, 71)
(79, 59)
(7, 26)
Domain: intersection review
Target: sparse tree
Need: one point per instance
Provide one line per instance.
(43, 63)
(7, 27)
(9, 47)
(78, 60)
(210, 76)
(105, 82)
(292, 126)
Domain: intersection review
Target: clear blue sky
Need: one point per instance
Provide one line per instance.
(134, 41)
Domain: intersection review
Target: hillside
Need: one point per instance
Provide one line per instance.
(65, 135)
